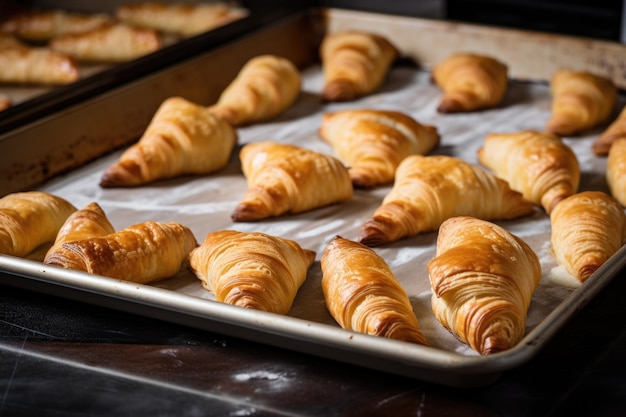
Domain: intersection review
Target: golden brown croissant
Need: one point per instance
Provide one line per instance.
(354, 64)
(178, 18)
(616, 171)
(182, 138)
(23, 64)
(587, 229)
(141, 253)
(108, 43)
(289, 179)
(431, 189)
(580, 101)
(88, 222)
(470, 82)
(265, 87)
(538, 165)
(41, 26)
(30, 219)
(374, 142)
(615, 131)
(363, 295)
(482, 279)
(251, 270)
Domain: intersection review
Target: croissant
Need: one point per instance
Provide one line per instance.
(482, 278)
(178, 18)
(88, 222)
(580, 101)
(265, 87)
(23, 64)
(108, 43)
(374, 142)
(251, 270)
(616, 171)
(29, 219)
(182, 138)
(354, 64)
(41, 26)
(615, 131)
(538, 165)
(363, 295)
(470, 82)
(587, 229)
(431, 189)
(141, 253)
(289, 179)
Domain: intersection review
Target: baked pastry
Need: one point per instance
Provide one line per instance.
(264, 88)
(24, 64)
(42, 26)
(587, 229)
(251, 270)
(354, 64)
(182, 138)
(5, 102)
(90, 221)
(289, 179)
(179, 18)
(538, 165)
(141, 253)
(30, 219)
(482, 278)
(373, 142)
(108, 43)
(580, 101)
(616, 171)
(363, 295)
(430, 189)
(615, 131)
(470, 82)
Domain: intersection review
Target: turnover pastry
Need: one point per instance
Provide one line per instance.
(580, 101)
(42, 26)
(482, 278)
(363, 295)
(289, 179)
(374, 142)
(182, 138)
(430, 189)
(616, 171)
(141, 253)
(30, 219)
(251, 270)
(470, 82)
(538, 165)
(354, 64)
(587, 229)
(615, 131)
(264, 88)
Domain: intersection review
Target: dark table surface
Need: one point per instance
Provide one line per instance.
(65, 358)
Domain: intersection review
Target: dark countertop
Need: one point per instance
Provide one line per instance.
(64, 358)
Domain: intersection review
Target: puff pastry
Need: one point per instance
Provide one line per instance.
(363, 295)
(538, 165)
(289, 179)
(615, 131)
(580, 101)
(587, 229)
(182, 138)
(251, 270)
(470, 82)
(264, 88)
(354, 64)
(141, 253)
(431, 189)
(373, 142)
(616, 171)
(42, 26)
(30, 219)
(482, 278)
(179, 18)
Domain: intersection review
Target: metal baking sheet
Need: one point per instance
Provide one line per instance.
(205, 203)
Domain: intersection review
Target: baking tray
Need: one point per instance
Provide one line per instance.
(205, 203)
